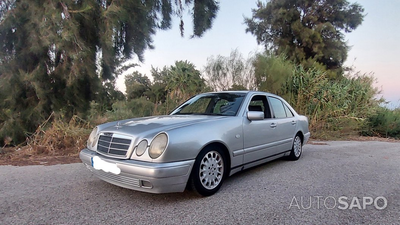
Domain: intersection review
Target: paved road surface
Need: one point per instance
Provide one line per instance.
(359, 174)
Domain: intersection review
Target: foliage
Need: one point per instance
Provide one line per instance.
(170, 87)
(306, 30)
(332, 105)
(175, 84)
(384, 123)
(56, 137)
(230, 73)
(272, 72)
(109, 95)
(136, 85)
(61, 55)
(130, 109)
(183, 81)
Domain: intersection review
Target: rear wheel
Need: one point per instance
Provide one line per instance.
(208, 172)
(297, 148)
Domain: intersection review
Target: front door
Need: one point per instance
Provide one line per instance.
(259, 135)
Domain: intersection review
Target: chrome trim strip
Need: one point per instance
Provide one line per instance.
(264, 146)
(238, 152)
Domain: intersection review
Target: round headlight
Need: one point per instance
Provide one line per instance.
(158, 145)
(91, 142)
(141, 148)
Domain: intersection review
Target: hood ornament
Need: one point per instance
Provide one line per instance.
(118, 125)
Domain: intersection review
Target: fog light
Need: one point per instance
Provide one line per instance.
(145, 184)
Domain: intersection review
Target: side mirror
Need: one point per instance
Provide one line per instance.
(255, 115)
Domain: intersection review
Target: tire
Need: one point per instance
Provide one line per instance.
(209, 171)
(297, 148)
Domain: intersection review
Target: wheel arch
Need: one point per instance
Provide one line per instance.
(301, 135)
(224, 149)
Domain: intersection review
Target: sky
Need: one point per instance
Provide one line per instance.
(374, 44)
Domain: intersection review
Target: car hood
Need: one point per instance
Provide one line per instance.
(155, 124)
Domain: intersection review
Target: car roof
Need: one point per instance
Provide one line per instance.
(244, 92)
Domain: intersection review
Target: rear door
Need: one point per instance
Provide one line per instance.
(285, 124)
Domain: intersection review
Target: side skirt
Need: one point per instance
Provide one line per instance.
(257, 162)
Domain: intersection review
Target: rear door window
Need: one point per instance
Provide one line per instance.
(277, 107)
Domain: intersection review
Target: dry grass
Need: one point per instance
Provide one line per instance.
(58, 138)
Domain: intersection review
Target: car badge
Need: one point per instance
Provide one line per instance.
(118, 125)
(108, 134)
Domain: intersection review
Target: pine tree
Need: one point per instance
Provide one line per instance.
(306, 31)
(60, 55)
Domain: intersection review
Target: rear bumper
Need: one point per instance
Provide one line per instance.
(306, 138)
(142, 176)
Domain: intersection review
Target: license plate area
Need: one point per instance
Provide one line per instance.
(100, 164)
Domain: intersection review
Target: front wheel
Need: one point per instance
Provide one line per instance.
(297, 149)
(208, 171)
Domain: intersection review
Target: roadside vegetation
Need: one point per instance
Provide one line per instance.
(56, 83)
(383, 122)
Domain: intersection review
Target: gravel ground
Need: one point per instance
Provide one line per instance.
(331, 175)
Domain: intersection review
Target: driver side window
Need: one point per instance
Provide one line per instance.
(260, 103)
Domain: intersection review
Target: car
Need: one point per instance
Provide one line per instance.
(209, 137)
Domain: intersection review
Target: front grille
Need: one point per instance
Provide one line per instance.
(112, 144)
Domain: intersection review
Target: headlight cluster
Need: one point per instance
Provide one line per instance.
(91, 142)
(156, 148)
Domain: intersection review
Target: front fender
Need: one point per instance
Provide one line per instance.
(185, 143)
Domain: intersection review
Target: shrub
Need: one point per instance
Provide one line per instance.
(384, 123)
(130, 109)
(331, 105)
(57, 137)
(334, 106)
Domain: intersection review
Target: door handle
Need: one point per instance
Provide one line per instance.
(294, 122)
(273, 125)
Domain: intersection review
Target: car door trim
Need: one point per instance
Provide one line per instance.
(264, 146)
(271, 156)
(238, 152)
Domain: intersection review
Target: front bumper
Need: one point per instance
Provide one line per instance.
(142, 176)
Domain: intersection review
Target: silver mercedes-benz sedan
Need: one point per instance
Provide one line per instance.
(204, 140)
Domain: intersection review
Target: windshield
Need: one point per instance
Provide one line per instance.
(218, 104)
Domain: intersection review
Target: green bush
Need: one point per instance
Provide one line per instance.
(338, 106)
(384, 123)
(272, 72)
(130, 109)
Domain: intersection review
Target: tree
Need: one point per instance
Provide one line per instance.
(172, 85)
(184, 81)
(306, 31)
(137, 85)
(230, 73)
(158, 92)
(272, 72)
(61, 55)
